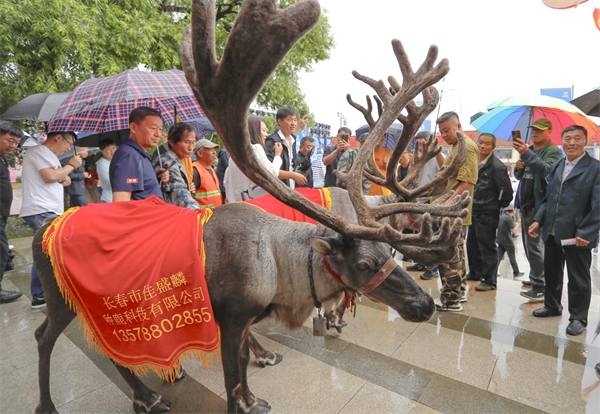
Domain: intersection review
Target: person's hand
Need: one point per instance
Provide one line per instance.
(343, 145)
(165, 176)
(579, 242)
(533, 229)
(299, 179)
(76, 161)
(520, 146)
(302, 123)
(520, 165)
(192, 187)
(278, 148)
(66, 181)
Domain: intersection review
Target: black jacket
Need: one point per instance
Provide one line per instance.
(6, 193)
(493, 190)
(573, 209)
(303, 166)
(285, 166)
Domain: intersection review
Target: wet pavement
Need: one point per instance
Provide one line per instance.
(494, 357)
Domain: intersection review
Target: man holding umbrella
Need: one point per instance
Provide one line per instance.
(532, 170)
(132, 176)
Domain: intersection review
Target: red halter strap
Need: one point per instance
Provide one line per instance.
(349, 297)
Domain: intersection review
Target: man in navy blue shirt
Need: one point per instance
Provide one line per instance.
(131, 173)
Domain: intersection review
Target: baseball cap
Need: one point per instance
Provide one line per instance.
(541, 124)
(204, 143)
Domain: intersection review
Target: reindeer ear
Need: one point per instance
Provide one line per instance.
(327, 246)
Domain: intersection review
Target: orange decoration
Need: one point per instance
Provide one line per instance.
(597, 18)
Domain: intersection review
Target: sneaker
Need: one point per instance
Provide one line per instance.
(484, 287)
(416, 268)
(534, 295)
(518, 274)
(38, 303)
(526, 283)
(440, 307)
(463, 296)
(9, 295)
(430, 274)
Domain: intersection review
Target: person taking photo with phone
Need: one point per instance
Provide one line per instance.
(532, 170)
(332, 154)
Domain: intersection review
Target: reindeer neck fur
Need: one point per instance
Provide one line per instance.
(293, 303)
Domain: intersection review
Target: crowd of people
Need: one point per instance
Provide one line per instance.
(556, 203)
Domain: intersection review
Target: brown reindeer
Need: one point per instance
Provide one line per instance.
(263, 273)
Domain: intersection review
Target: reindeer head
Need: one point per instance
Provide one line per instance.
(261, 37)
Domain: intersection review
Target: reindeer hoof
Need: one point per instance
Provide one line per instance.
(340, 326)
(160, 405)
(42, 410)
(273, 359)
(261, 407)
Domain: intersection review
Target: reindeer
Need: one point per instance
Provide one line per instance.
(264, 273)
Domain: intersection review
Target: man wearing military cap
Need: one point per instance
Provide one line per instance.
(532, 170)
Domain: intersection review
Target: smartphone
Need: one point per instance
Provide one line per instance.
(516, 134)
(346, 137)
(302, 113)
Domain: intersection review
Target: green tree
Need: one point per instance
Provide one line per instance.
(54, 45)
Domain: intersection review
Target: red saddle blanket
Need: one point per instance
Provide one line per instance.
(272, 205)
(134, 274)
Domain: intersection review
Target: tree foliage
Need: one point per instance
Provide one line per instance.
(54, 45)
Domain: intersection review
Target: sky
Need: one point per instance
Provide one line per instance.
(496, 49)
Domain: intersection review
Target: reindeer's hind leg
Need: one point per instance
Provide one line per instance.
(144, 399)
(46, 335)
(263, 356)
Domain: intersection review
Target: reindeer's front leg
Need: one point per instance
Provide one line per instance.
(263, 356)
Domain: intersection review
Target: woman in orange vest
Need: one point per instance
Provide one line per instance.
(208, 193)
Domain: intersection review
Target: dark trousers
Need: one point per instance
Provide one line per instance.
(534, 250)
(77, 200)
(36, 222)
(510, 250)
(481, 247)
(3, 248)
(579, 289)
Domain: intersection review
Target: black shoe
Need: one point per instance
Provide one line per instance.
(471, 276)
(521, 274)
(534, 295)
(598, 369)
(38, 303)
(9, 295)
(575, 328)
(430, 274)
(484, 287)
(406, 259)
(417, 267)
(546, 312)
(526, 283)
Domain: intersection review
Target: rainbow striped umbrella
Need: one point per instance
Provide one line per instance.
(518, 112)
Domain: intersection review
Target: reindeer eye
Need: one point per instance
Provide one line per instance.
(363, 265)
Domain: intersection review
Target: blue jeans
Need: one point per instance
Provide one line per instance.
(35, 222)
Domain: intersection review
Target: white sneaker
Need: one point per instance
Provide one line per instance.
(440, 307)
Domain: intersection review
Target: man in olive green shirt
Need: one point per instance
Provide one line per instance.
(453, 273)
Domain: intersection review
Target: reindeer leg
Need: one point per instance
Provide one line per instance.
(144, 399)
(46, 335)
(235, 354)
(263, 356)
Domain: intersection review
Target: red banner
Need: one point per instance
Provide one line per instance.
(134, 274)
(272, 205)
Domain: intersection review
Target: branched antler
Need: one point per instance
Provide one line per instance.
(260, 38)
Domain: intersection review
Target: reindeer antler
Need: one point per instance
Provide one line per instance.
(259, 40)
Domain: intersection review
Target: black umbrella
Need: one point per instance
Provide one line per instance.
(392, 134)
(589, 103)
(38, 108)
(92, 139)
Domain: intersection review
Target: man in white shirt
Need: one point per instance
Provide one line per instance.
(286, 118)
(43, 179)
(107, 148)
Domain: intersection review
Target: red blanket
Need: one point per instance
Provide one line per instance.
(134, 274)
(271, 205)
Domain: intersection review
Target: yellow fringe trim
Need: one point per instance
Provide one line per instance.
(207, 358)
(327, 198)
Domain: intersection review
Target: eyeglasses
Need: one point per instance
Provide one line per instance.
(68, 142)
